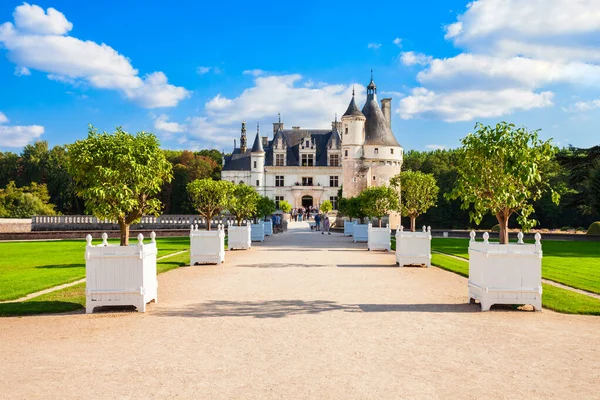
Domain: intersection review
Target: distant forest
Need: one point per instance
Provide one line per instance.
(40, 176)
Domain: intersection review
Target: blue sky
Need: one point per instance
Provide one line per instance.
(191, 72)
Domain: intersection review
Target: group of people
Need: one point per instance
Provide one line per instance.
(322, 223)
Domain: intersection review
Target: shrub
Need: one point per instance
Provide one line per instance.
(580, 229)
(496, 228)
(594, 228)
(565, 228)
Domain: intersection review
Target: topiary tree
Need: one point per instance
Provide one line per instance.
(499, 171)
(243, 202)
(326, 206)
(378, 201)
(210, 197)
(594, 228)
(285, 206)
(419, 193)
(118, 175)
(265, 207)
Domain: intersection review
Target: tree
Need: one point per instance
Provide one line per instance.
(326, 206)
(499, 171)
(243, 202)
(285, 206)
(25, 201)
(265, 207)
(378, 201)
(118, 175)
(350, 207)
(210, 197)
(419, 193)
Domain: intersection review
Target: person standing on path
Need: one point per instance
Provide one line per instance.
(326, 226)
(318, 222)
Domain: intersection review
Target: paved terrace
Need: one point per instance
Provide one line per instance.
(303, 315)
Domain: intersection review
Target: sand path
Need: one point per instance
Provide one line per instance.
(303, 315)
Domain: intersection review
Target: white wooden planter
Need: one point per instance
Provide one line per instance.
(257, 232)
(238, 237)
(349, 228)
(360, 232)
(505, 273)
(207, 247)
(413, 248)
(268, 227)
(379, 238)
(120, 275)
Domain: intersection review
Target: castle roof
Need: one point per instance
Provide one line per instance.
(257, 147)
(377, 129)
(353, 109)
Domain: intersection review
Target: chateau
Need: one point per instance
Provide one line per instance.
(308, 166)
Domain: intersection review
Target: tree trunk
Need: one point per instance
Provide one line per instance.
(208, 221)
(413, 223)
(379, 222)
(124, 228)
(239, 222)
(502, 218)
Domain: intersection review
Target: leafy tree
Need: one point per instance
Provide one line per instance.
(419, 193)
(499, 171)
(25, 201)
(265, 207)
(351, 207)
(118, 175)
(210, 197)
(378, 201)
(242, 204)
(285, 206)
(326, 206)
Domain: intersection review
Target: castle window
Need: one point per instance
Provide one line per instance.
(333, 181)
(257, 182)
(307, 181)
(254, 164)
(345, 153)
(391, 151)
(241, 182)
(376, 150)
(279, 180)
(308, 160)
(333, 200)
(353, 179)
(278, 199)
(334, 160)
(307, 144)
(279, 160)
(374, 178)
(346, 130)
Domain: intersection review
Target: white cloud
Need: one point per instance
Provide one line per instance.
(203, 70)
(582, 106)
(466, 105)
(37, 41)
(22, 71)
(162, 123)
(374, 46)
(411, 58)
(398, 42)
(254, 72)
(16, 135)
(436, 147)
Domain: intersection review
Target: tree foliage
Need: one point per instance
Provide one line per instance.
(285, 206)
(378, 201)
(265, 207)
(243, 202)
(25, 202)
(210, 197)
(500, 171)
(119, 175)
(419, 193)
(326, 206)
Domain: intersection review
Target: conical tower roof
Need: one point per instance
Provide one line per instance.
(353, 109)
(257, 147)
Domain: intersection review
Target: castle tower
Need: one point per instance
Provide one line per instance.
(353, 137)
(243, 139)
(257, 163)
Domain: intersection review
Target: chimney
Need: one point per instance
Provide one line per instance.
(336, 126)
(265, 141)
(277, 126)
(386, 107)
(234, 144)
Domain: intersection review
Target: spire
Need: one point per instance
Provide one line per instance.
(257, 147)
(352, 109)
(243, 138)
(371, 89)
(279, 117)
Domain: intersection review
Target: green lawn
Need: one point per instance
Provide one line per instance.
(575, 264)
(73, 298)
(28, 267)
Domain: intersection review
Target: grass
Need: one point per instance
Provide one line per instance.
(575, 264)
(73, 297)
(554, 298)
(28, 267)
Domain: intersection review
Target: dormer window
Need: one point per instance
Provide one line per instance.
(308, 160)
(307, 144)
(376, 150)
(391, 151)
(279, 160)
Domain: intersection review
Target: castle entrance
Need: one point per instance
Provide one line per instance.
(307, 201)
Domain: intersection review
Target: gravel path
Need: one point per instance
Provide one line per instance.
(304, 315)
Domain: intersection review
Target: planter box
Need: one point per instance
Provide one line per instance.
(238, 237)
(413, 248)
(349, 228)
(379, 238)
(120, 275)
(268, 227)
(257, 232)
(207, 247)
(360, 233)
(505, 273)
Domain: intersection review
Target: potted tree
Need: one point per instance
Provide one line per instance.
(242, 204)
(285, 208)
(500, 171)
(360, 231)
(118, 175)
(419, 193)
(345, 208)
(209, 198)
(379, 201)
(262, 228)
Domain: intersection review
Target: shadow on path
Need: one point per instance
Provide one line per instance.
(280, 265)
(285, 308)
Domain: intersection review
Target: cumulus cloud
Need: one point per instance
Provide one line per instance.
(410, 58)
(38, 41)
(17, 135)
(202, 70)
(22, 71)
(374, 46)
(398, 42)
(582, 106)
(162, 124)
(254, 72)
